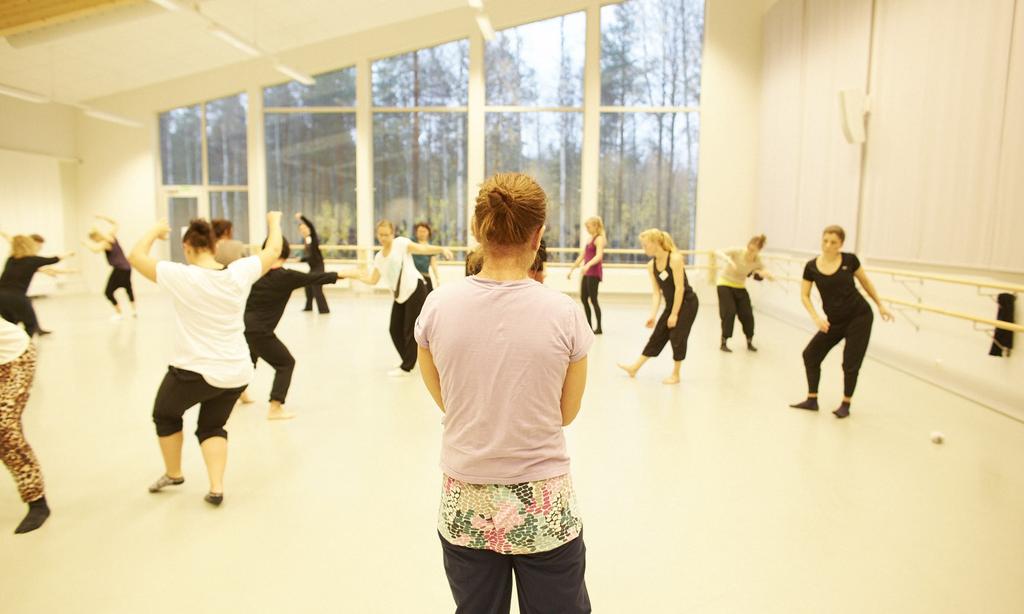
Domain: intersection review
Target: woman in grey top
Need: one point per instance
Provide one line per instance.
(733, 299)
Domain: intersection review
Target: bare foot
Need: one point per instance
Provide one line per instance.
(245, 399)
(279, 414)
(629, 369)
(671, 379)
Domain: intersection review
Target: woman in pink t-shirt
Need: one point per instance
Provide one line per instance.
(505, 358)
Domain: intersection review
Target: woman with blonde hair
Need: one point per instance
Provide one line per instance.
(120, 268)
(21, 266)
(507, 501)
(669, 282)
(591, 259)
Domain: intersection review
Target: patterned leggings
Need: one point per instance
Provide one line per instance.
(15, 380)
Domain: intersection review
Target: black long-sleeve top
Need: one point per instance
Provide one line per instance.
(18, 272)
(313, 255)
(269, 296)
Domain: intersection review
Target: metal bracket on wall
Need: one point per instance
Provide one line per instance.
(990, 334)
(906, 286)
(904, 312)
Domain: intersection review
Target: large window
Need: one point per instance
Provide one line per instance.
(534, 76)
(216, 184)
(310, 135)
(650, 92)
(419, 140)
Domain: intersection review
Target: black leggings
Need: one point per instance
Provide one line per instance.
(180, 390)
(588, 292)
(403, 326)
(119, 278)
(17, 308)
(734, 302)
(316, 292)
(273, 351)
(679, 335)
(552, 581)
(857, 332)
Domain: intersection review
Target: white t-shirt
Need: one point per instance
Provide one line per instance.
(390, 265)
(13, 341)
(209, 307)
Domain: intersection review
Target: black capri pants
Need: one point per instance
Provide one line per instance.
(857, 332)
(679, 335)
(276, 354)
(733, 302)
(17, 308)
(180, 390)
(119, 278)
(546, 582)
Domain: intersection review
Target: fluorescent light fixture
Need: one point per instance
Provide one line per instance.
(234, 41)
(170, 5)
(485, 26)
(477, 4)
(301, 77)
(14, 92)
(110, 117)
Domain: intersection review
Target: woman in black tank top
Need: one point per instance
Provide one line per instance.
(847, 316)
(668, 281)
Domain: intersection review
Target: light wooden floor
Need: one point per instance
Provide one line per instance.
(708, 497)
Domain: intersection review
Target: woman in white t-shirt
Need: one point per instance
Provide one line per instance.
(394, 264)
(17, 369)
(211, 365)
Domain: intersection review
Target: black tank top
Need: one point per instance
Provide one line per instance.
(667, 282)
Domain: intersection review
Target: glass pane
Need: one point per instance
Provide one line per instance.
(651, 53)
(311, 169)
(180, 144)
(648, 177)
(539, 64)
(225, 140)
(234, 207)
(434, 77)
(419, 171)
(332, 89)
(181, 210)
(546, 146)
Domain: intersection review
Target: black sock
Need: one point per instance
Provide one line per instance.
(843, 410)
(38, 512)
(811, 403)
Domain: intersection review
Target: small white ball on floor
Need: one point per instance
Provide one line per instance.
(937, 437)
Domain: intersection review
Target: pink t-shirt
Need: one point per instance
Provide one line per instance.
(502, 350)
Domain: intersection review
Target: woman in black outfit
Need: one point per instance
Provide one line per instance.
(120, 271)
(315, 260)
(15, 306)
(847, 316)
(668, 280)
(263, 310)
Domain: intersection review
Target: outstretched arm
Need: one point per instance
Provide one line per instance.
(429, 250)
(272, 250)
(139, 257)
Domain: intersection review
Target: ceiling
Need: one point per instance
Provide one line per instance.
(138, 43)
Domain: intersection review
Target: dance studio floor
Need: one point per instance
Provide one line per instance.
(707, 497)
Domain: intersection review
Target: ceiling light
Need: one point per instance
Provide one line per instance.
(477, 4)
(14, 92)
(301, 77)
(170, 5)
(110, 117)
(485, 26)
(234, 41)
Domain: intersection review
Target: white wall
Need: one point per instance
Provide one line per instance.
(119, 170)
(939, 133)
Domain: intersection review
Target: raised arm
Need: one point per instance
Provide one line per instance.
(430, 375)
(572, 390)
(139, 257)
(272, 250)
(869, 287)
(429, 250)
(113, 224)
